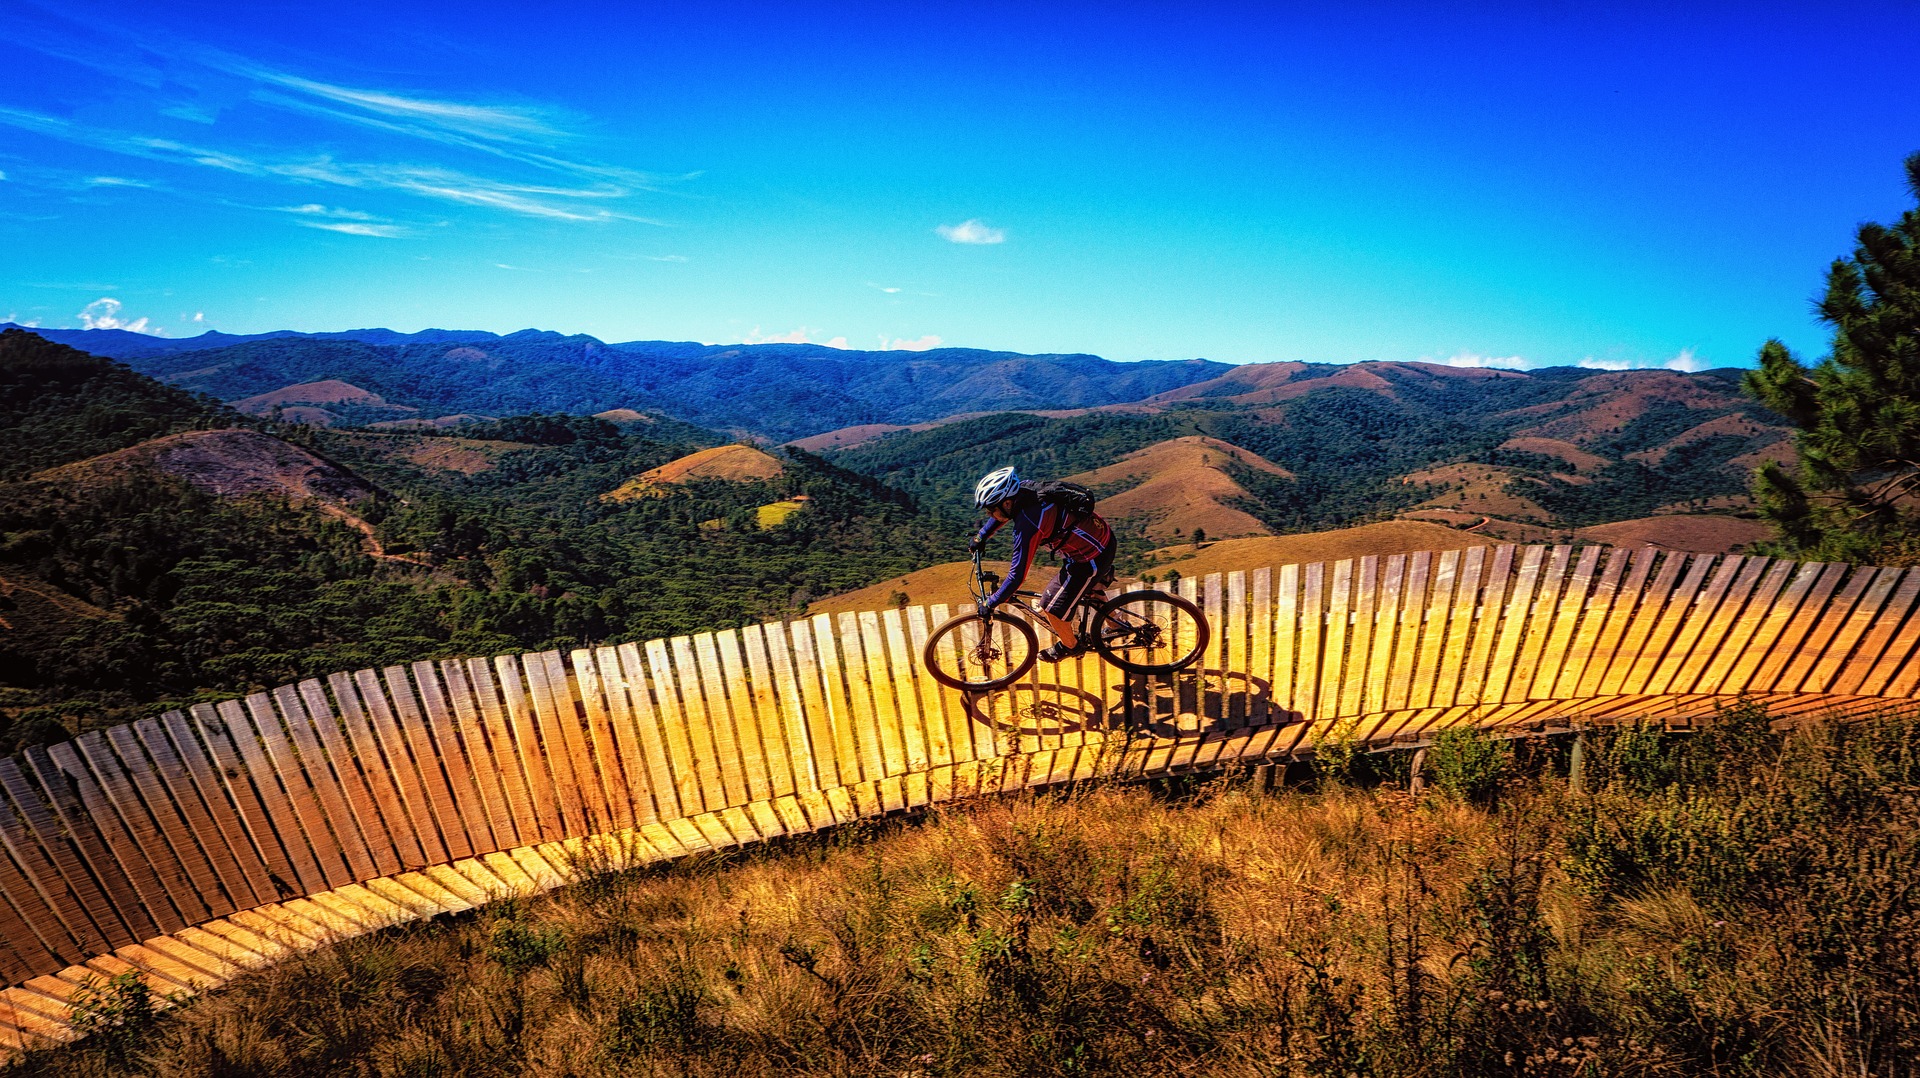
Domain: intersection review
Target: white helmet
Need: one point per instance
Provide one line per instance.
(996, 487)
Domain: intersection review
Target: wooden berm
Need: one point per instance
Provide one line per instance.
(193, 847)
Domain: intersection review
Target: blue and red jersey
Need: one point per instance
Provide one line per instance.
(1039, 524)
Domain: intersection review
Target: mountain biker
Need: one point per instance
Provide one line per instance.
(1083, 541)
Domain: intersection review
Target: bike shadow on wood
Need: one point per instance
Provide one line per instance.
(1182, 704)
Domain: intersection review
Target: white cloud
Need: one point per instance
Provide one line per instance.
(3, 174)
(900, 345)
(665, 258)
(888, 289)
(115, 181)
(1473, 359)
(104, 313)
(15, 319)
(1685, 361)
(803, 335)
(199, 316)
(356, 228)
(972, 230)
(315, 209)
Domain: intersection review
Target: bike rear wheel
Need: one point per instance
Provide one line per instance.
(1149, 632)
(972, 655)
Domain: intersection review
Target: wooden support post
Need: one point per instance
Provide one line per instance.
(1417, 772)
(1577, 764)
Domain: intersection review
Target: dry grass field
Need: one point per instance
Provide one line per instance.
(1735, 902)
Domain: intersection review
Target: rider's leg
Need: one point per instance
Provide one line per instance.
(1057, 601)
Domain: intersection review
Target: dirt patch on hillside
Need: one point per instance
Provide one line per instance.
(327, 391)
(624, 417)
(233, 463)
(1476, 488)
(737, 463)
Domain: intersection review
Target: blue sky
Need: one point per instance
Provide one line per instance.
(1529, 184)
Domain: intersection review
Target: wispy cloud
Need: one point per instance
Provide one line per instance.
(104, 313)
(972, 230)
(356, 228)
(315, 209)
(115, 181)
(890, 290)
(899, 345)
(803, 335)
(516, 123)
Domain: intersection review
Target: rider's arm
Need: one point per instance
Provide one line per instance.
(1026, 545)
(986, 531)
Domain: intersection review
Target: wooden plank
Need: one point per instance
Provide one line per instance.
(1591, 618)
(210, 728)
(543, 817)
(942, 746)
(1649, 603)
(1459, 640)
(160, 913)
(1558, 612)
(174, 779)
(69, 857)
(1794, 629)
(650, 774)
(782, 733)
(1235, 703)
(1622, 611)
(382, 777)
(1260, 612)
(833, 681)
(1514, 621)
(456, 758)
(1423, 666)
(1856, 590)
(609, 764)
(483, 764)
(1887, 650)
(427, 758)
(822, 737)
(796, 710)
(407, 781)
(67, 786)
(1409, 631)
(1488, 613)
(69, 933)
(1714, 636)
(186, 874)
(873, 687)
(1681, 605)
(308, 814)
(1739, 656)
(685, 768)
(352, 778)
(1693, 619)
(517, 815)
(1871, 609)
(1351, 677)
(1333, 655)
(624, 764)
(327, 784)
(1386, 633)
(742, 713)
(709, 728)
(857, 684)
(1313, 634)
(1287, 640)
(230, 814)
(568, 755)
(906, 700)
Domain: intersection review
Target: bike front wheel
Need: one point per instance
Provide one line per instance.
(1149, 632)
(972, 655)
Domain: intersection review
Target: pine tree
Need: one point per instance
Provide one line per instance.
(1855, 495)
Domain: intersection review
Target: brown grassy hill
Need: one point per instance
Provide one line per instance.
(848, 437)
(947, 583)
(1477, 488)
(1271, 383)
(437, 423)
(1182, 484)
(624, 417)
(738, 463)
(234, 463)
(1604, 404)
(1738, 426)
(329, 391)
(1705, 533)
(1578, 458)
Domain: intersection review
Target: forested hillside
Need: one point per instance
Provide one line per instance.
(124, 583)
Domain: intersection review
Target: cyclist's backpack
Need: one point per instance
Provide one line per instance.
(1072, 498)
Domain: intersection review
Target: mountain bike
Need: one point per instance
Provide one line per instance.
(1142, 632)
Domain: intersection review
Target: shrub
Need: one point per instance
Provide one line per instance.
(1469, 764)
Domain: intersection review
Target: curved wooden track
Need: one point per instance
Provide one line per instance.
(196, 846)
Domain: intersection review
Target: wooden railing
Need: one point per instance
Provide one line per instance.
(192, 847)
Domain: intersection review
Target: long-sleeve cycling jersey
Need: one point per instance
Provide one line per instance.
(1039, 524)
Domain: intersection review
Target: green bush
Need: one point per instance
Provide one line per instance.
(1469, 764)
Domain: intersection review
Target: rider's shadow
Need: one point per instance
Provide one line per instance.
(1186, 703)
